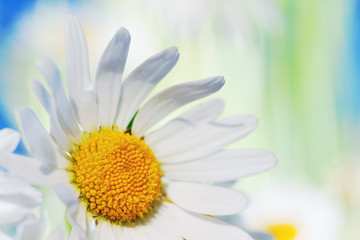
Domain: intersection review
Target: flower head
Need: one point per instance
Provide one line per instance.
(294, 211)
(107, 163)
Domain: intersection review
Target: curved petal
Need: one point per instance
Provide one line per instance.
(81, 95)
(198, 226)
(17, 192)
(141, 81)
(9, 139)
(171, 99)
(10, 185)
(39, 141)
(64, 111)
(11, 213)
(223, 166)
(47, 101)
(205, 199)
(201, 141)
(79, 222)
(200, 114)
(30, 170)
(108, 76)
(68, 194)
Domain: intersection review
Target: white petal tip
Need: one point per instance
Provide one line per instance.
(42, 62)
(273, 160)
(10, 134)
(123, 32)
(221, 80)
(23, 110)
(171, 52)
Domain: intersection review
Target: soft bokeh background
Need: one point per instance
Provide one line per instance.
(293, 64)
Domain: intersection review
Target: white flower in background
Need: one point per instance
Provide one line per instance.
(18, 199)
(108, 164)
(344, 179)
(294, 212)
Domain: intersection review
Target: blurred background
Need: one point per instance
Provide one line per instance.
(295, 65)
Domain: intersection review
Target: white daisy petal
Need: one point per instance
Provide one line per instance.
(204, 112)
(108, 231)
(171, 99)
(68, 194)
(141, 81)
(161, 229)
(140, 232)
(30, 170)
(223, 166)
(204, 140)
(64, 111)
(3, 236)
(197, 115)
(32, 231)
(79, 222)
(9, 185)
(58, 233)
(47, 101)
(39, 141)
(73, 235)
(18, 192)
(9, 139)
(109, 74)
(80, 87)
(198, 226)
(12, 213)
(205, 199)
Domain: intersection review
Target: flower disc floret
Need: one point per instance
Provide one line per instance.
(117, 175)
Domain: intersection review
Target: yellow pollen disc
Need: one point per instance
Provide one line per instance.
(117, 174)
(282, 231)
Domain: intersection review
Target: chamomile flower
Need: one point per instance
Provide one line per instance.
(294, 212)
(106, 162)
(18, 199)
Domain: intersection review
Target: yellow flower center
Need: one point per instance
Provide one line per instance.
(117, 174)
(282, 231)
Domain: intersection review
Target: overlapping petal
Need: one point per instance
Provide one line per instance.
(205, 199)
(198, 226)
(171, 99)
(31, 171)
(200, 114)
(141, 81)
(80, 86)
(222, 166)
(109, 75)
(56, 131)
(196, 142)
(64, 112)
(39, 142)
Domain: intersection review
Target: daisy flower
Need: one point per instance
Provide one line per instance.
(110, 166)
(18, 199)
(294, 212)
